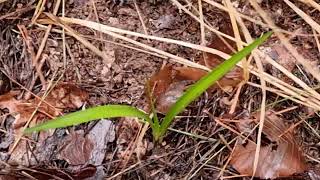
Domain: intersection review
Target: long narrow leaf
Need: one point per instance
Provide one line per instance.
(107, 111)
(203, 84)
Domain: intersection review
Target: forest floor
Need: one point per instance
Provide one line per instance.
(57, 57)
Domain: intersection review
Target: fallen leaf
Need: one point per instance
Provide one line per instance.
(231, 79)
(129, 150)
(283, 57)
(170, 96)
(40, 172)
(187, 73)
(76, 149)
(176, 77)
(64, 97)
(281, 157)
(8, 101)
(164, 90)
(160, 81)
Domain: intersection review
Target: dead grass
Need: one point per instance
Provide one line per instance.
(197, 139)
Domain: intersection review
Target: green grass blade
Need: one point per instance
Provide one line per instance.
(203, 84)
(107, 111)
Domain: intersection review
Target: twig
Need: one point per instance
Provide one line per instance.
(141, 19)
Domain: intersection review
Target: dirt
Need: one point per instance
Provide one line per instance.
(179, 155)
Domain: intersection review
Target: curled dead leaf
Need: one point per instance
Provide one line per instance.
(77, 149)
(280, 157)
(170, 82)
(171, 96)
(166, 88)
(64, 97)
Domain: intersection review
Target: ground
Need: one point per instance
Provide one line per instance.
(72, 75)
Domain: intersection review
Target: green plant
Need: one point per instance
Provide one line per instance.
(158, 128)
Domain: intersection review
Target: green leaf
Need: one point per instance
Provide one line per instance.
(203, 84)
(107, 111)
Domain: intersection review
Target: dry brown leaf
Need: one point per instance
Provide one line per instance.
(170, 82)
(170, 96)
(66, 96)
(77, 149)
(281, 157)
(63, 97)
(20, 110)
(129, 149)
(160, 81)
(284, 58)
(281, 55)
(165, 88)
(231, 79)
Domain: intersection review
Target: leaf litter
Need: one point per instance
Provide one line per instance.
(129, 148)
(280, 156)
(78, 149)
(170, 82)
(91, 68)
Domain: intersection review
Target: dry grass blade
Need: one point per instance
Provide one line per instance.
(309, 91)
(285, 95)
(104, 28)
(281, 158)
(279, 84)
(243, 16)
(103, 40)
(263, 88)
(304, 16)
(315, 35)
(98, 27)
(38, 10)
(46, 35)
(306, 63)
(245, 62)
(312, 3)
(107, 29)
(203, 36)
(81, 39)
(140, 18)
(180, 6)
